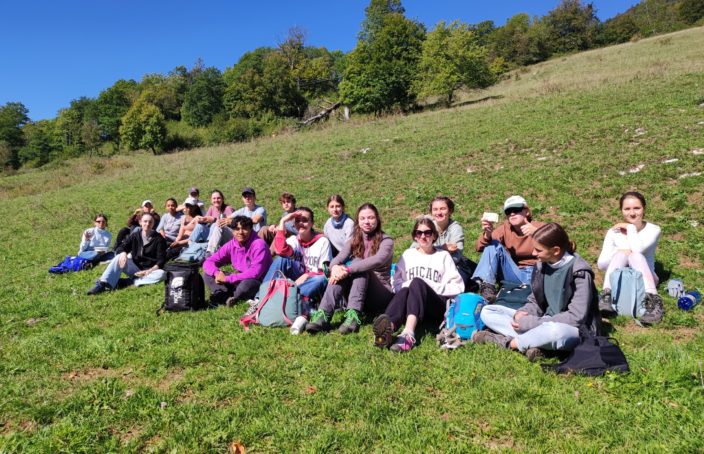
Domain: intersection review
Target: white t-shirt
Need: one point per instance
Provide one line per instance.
(313, 256)
(438, 270)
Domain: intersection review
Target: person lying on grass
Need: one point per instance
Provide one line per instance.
(339, 227)
(170, 222)
(632, 243)
(96, 240)
(365, 284)
(425, 279)
(301, 257)
(146, 263)
(250, 258)
(563, 298)
(450, 236)
(507, 251)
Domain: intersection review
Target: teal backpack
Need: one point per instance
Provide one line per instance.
(628, 292)
(280, 303)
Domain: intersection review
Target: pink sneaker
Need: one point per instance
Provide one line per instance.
(403, 343)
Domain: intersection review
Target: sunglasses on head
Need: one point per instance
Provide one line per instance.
(513, 210)
(419, 233)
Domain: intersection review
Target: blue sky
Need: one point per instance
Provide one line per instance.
(56, 51)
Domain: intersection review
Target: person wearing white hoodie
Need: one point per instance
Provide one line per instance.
(425, 279)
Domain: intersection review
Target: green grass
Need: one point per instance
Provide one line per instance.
(105, 374)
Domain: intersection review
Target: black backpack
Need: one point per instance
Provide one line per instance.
(184, 289)
(594, 355)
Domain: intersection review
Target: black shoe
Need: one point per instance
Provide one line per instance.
(383, 331)
(654, 309)
(124, 282)
(606, 304)
(100, 287)
(319, 322)
(351, 323)
(488, 292)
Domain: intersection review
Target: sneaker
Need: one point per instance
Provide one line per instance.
(487, 337)
(606, 304)
(654, 309)
(533, 354)
(252, 303)
(404, 343)
(124, 282)
(383, 330)
(319, 321)
(488, 292)
(351, 323)
(100, 287)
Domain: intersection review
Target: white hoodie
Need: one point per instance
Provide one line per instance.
(436, 269)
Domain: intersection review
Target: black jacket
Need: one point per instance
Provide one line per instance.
(154, 253)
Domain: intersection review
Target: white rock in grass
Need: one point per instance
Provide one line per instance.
(640, 131)
(163, 405)
(621, 172)
(698, 151)
(636, 169)
(364, 150)
(701, 123)
(687, 175)
(694, 224)
(668, 161)
(470, 170)
(543, 158)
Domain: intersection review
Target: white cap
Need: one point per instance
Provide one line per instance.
(515, 201)
(190, 201)
(147, 202)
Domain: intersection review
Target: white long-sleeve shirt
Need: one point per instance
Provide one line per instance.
(99, 238)
(644, 242)
(436, 269)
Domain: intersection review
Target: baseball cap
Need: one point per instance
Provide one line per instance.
(515, 201)
(190, 201)
(248, 190)
(193, 189)
(147, 202)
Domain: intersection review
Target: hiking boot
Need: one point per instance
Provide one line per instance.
(533, 354)
(487, 337)
(100, 287)
(488, 292)
(404, 343)
(351, 323)
(606, 304)
(230, 301)
(383, 330)
(319, 321)
(654, 309)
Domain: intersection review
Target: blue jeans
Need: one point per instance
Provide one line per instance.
(548, 335)
(113, 271)
(313, 287)
(200, 233)
(496, 258)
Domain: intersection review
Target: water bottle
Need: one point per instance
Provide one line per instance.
(299, 325)
(689, 300)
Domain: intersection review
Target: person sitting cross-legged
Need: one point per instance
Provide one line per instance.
(250, 258)
(148, 255)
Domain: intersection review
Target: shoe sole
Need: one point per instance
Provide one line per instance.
(382, 330)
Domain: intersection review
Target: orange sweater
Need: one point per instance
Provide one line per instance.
(518, 245)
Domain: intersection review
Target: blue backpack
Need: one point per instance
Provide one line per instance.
(71, 264)
(628, 292)
(463, 315)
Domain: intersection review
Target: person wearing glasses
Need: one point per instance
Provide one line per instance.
(250, 259)
(507, 250)
(425, 278)
(95, 241)
(301, 257)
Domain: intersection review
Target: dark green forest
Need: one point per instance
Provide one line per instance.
(397, 66)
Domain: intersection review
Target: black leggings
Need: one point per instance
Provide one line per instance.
(417, 299)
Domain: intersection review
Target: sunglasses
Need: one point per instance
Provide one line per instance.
(302, 219)
(419, 233)
(510, 211)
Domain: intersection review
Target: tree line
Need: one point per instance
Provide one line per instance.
(395, 65)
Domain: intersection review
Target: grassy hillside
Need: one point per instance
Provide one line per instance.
(105, 374)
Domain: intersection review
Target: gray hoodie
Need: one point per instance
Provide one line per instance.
(579, 292)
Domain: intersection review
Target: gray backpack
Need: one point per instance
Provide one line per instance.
(628, 292)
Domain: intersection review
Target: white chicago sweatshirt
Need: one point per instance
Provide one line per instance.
(436, 269)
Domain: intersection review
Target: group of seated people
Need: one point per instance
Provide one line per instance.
(348, 266)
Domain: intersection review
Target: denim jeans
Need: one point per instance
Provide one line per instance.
(113, 271)
(495, 259)
(313, 287)
(200, 233)
(548, 335)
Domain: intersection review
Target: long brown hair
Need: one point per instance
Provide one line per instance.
(357, 245)
(552, 234)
